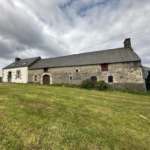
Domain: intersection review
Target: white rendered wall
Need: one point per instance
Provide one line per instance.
(23, 75)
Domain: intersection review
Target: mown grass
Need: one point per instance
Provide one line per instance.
(110, 89)
(57, 118)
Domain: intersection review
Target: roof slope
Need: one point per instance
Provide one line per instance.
(146, 68)
(91, 58)
(146, 71)
(22, 63)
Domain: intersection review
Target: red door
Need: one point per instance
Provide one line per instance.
(94, 81)
(46, 80)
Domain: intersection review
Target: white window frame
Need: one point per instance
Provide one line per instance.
(18, 74)
(35, 78)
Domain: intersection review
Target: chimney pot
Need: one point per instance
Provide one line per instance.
(127, 43)
(17, 59)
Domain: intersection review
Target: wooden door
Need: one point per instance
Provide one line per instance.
(46, 80)
(94, 81)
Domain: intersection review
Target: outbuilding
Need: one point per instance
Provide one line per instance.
(146, 75)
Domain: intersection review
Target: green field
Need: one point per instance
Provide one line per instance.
(35, 117)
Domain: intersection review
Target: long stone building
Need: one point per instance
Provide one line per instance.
(120, 68)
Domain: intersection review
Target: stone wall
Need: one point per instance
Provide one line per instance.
(125, 75)
(137, 86)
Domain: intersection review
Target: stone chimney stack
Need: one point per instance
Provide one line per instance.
(17, 59)
(127, 44)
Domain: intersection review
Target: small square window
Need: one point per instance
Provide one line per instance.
(110, 79)
(76, 70)
(104, 67)
(45, 69)
(70, 78)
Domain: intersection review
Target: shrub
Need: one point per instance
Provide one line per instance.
(87, 84)
(0, 79)
(101, 85)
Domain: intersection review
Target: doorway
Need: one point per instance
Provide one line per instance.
(46, 79)
(94, 80)
(148, 81)
(9, 76)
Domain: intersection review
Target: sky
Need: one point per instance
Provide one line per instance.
(51, 28)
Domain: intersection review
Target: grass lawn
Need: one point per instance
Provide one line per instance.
(59, 118)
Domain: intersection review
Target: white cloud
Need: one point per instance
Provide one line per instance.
(53, 28)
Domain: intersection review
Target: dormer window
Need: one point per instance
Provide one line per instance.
(24, 63)
(45, 69)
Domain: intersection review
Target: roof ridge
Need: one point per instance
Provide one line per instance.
(85, 53)
(29, 58)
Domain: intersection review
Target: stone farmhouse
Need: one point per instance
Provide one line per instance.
(17, 72)
(120, 68)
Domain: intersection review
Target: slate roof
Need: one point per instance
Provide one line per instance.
(146, 68)
(146, 71)
(90, 58)
(22, 63)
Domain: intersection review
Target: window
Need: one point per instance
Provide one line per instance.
(104, 67)
(45, 69)
(70, 78)
(18, 74)
(76, 70)
(94, 78)
(35, 78)
(110, 79)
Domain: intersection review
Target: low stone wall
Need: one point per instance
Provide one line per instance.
(136, 86)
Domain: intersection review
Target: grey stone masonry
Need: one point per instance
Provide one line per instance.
(125, 75)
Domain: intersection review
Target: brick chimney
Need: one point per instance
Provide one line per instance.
(127, 44)
(17, 59)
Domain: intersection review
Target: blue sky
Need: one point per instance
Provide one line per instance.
(50, 28)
